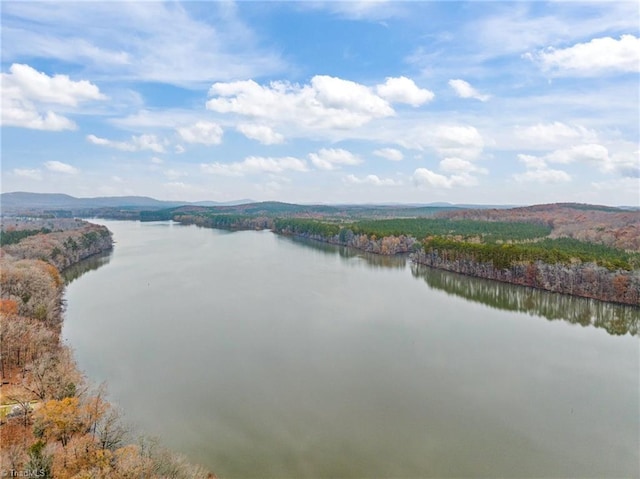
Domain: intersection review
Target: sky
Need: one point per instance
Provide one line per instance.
(324, 102)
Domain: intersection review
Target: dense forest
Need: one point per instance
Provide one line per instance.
(54, 424)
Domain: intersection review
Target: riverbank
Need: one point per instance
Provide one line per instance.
(573, 278)
(53, 421)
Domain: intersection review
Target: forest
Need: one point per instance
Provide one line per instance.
(53, 422)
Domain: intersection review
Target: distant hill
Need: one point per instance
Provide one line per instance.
(23, 201)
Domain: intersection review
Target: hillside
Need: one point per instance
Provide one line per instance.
(604, 225)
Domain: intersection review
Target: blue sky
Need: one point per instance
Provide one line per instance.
(331, 102)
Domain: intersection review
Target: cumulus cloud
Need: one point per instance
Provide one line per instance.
(29, 96)
(404, 90)
(137, 143)
(625, 162)
(423, 177)
(333, 158)
(585, 153)
(58, 89)
(32, 174)
(599, 56)
(255, 165)
(455, 172)
(261, 133)
(464, 90)
(547, 135)
(460, 166)
(458, 141)
(390, 154)
(59, 167)
(327, 102)
(538, 171)
(371, 180)
(203, 132)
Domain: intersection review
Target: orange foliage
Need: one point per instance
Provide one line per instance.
(8, 306)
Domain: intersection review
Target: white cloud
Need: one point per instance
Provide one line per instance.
(332, 158)
(157, 161)
(371, 180)
(538, 171)
(404, 90)
(625, 161)
(543, 175)
(25, 115)
(460, 166)
(59, 167)
(28, 95)
(458, 141)
(423, 177)
(255, 165)
(582, 153)
(261, 133)
(545, 135)
(137, 143)
(599, 56)
(32, 174)
(179, 149)
(390, 154)
(133, 41)
(33, 85)
(371, 10)
(204, 132)
(464, 90)
(326, 103)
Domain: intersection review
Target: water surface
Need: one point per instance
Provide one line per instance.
(262, 356)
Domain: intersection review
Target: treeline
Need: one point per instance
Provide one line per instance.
(559, 250)
(418, 228)
(14, 236)
(486, 231)
(52, 423)
(226, 221)
(343, 235)
(504, 264)
(63, 248)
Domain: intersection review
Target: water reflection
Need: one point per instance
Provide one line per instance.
(349, 254)
(614, 318)
(74, 271)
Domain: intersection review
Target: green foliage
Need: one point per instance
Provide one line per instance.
(161, 215)
(489, 231)
(306, 226)
(39, 462)
(14, 236)
(552, 251)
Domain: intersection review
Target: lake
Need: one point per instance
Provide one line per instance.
(262, 356)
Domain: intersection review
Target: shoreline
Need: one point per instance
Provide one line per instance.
(53, 420)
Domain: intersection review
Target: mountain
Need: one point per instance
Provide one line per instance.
(23, 201)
